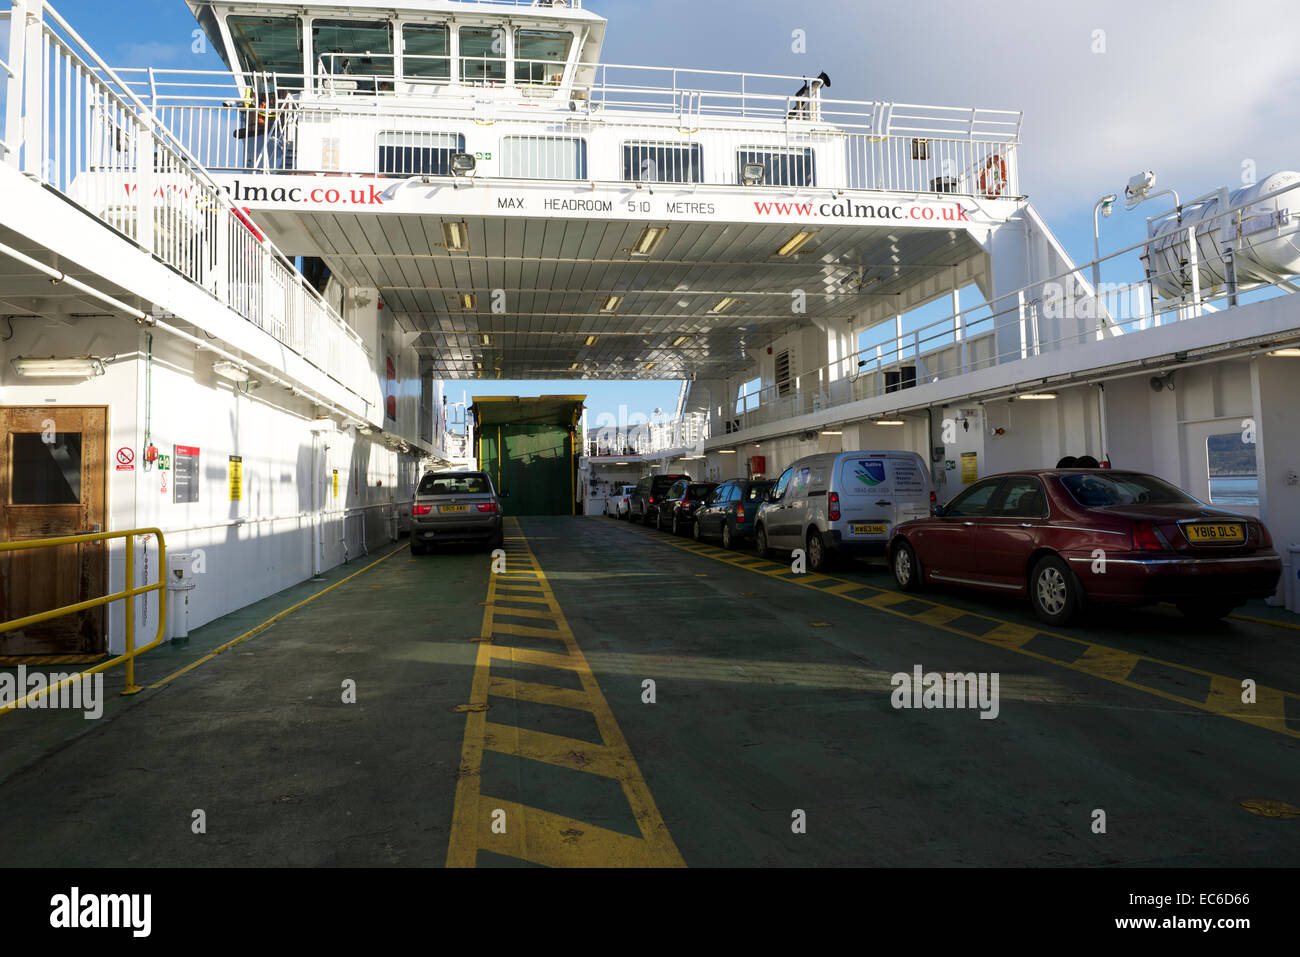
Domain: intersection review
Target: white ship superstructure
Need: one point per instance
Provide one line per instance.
(270, 270)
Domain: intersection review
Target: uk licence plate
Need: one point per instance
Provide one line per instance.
(860, 529)
(1216, 534)
(453, 508)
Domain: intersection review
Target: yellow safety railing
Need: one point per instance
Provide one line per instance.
(128, 594)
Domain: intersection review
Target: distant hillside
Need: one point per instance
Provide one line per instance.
(1228, 455)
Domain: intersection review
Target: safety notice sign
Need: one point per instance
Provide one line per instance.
(125, 459)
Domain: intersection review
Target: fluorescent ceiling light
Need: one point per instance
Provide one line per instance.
(231, 370)
(890, 422)
(724, 304)
(726, 451)
(591, 340)
(831, 432)
(617, 464)
(650, 365)
(611, 304)
(572, 366)
(468, 300)
(679, 340)
(796, 242)
(1288, 352)
(455, 236)
(1037, 396)
(79, 367)
(649, 240)
(484, 339)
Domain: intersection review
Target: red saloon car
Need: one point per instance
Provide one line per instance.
(1068, 537)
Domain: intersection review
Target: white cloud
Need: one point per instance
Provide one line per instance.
(1190, 89)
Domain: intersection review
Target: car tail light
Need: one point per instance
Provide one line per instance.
(1265, 539)
(421, 509)
(488, 507)
(1147, 539)
(740, 512)
(834, 513)
(652, 499)
(686, 506)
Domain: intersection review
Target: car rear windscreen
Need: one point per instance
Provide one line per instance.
(471, 483)
(1123, 488)
(699, 491)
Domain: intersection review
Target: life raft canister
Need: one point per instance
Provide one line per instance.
(993, 177)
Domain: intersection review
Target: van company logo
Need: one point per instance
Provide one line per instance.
(870, 473)
(76, 910)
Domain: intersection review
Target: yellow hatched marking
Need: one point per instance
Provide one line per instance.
(558, 841)
(556, 749)
(532, 834)
(526, 613)
(539, 693)
(1099, 661)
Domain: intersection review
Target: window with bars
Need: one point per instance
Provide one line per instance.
(784, 382)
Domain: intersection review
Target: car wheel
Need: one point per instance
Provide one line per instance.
(417, 549)
(677, 526)
(760, 543)
(498, 542)
(907, 569)
(817, 554)
(1054, 591)
(696, 532)
(726, 536)
(1207, 609)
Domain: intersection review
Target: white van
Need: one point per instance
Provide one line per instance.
(842, 503)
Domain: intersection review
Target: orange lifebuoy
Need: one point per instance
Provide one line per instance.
(993, 177)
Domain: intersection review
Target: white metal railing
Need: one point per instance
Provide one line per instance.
(98, 143)
(861, 144)
(1015, 325)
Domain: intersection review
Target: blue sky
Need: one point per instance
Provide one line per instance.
(1199, 90)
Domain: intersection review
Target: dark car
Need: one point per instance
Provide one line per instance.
(1067, 537)
(455, 507)
(681, 503)
(649, 494)
(730, 511)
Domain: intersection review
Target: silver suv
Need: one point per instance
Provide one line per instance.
(455, 507)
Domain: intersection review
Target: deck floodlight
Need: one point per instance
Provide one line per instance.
(80, 367)
(1139, 186)
(455, 236)
(1107, 204)
(463, 164)
(753, 174)
(232, 371)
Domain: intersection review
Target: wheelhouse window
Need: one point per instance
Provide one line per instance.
(426, 51)
(662, 163)
(1233, 468)
(780, 167)
(483, 55)
(544, 157)
(540, 55)
(352, 47)
(411, 154)
(267, 44)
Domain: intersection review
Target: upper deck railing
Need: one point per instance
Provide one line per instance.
(876, 145)
(87, 134)
(1053, 314)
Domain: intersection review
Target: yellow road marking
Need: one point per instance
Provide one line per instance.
(1099, 661)
(530, 833)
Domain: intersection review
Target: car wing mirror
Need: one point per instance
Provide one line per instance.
(940, 511)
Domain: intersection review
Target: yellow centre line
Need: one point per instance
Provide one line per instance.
(481, 822)
(1224, 697)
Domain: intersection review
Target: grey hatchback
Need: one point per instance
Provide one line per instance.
(455, 507)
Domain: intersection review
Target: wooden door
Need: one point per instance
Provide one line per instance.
(52, 483)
